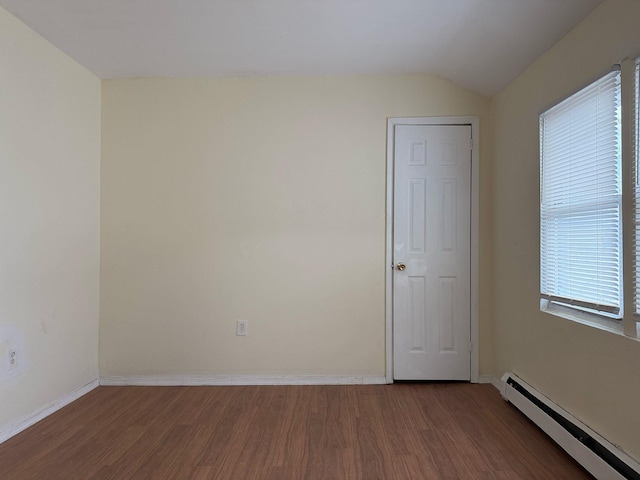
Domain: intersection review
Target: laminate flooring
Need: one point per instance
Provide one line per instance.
(401, 431)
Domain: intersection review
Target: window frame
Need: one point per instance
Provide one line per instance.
(631, 97)
(568, 203)
(629, 324)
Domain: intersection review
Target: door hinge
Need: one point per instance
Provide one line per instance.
(470, 347)
(471, 144)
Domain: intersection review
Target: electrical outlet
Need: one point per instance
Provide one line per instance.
(241, 328)
(13, 358)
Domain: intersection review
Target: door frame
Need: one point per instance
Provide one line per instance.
(474, 122)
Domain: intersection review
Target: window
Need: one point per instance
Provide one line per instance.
(581, 201)
(636, 189)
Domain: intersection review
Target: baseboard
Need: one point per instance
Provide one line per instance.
(596, 454)
(203, 380)
(496, 382)
(33, 418)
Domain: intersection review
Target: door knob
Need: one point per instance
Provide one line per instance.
(401, 267)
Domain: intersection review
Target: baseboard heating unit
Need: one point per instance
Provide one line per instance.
(598, 456)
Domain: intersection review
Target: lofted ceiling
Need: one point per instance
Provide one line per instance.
(481, 45)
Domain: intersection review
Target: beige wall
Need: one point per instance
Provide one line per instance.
(49, 222)
(593, 374)
(257, 199)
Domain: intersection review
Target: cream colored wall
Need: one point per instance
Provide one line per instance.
(592, 373)
(49, 222)
(260, 199)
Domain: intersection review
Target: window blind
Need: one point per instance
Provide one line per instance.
(636, 179)
(580, 199)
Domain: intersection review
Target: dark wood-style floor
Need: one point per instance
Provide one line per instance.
(400, 431)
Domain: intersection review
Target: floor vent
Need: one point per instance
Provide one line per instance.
(598, 456)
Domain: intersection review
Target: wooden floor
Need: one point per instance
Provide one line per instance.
(400, 431)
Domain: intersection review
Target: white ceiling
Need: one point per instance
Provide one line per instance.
(479, 44)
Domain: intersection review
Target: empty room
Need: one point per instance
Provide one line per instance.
(320, 239)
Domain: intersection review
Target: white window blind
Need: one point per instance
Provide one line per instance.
(580, 200)
(636, 173)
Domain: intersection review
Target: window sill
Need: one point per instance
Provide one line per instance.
(591, 319)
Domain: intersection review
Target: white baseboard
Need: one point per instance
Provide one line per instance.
(536, 407)
(25, 422)
(496, 382)
(196, 380)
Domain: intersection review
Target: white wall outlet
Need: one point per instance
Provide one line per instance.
(12, 353)
(241, 328)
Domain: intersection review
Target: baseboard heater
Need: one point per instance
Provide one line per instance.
(598, 456)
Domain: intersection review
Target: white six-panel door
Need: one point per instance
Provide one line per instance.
(431, 241)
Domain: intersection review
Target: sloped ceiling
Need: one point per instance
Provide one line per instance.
(481, 45)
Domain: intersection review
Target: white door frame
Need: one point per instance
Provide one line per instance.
(475, 202)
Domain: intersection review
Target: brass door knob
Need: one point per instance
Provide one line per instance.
(401, 267)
